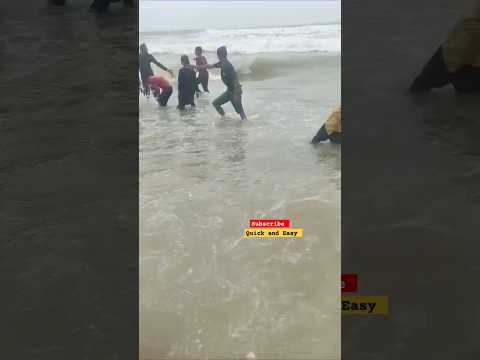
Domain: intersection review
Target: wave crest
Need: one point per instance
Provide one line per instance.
(266, 67)
(306, 38)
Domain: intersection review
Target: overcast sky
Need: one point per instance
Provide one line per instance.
(164, 15)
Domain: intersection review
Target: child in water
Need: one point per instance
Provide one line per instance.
(187, 84)
(201, 61)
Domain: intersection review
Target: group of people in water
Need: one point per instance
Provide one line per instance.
(190, 77)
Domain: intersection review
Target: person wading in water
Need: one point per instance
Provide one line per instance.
(144, 63)
(230, 79)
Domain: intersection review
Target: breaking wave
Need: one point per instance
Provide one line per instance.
(304, 38)
(262, 67)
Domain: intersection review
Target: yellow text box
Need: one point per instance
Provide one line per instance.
(277, 233)
(365, 305)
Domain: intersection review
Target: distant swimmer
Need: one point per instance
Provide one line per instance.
(187, 84)
(144, 61)
(331, 130)
(230, 79)
(162, 90)
(201, 61)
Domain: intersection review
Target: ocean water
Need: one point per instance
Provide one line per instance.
(304, 38)
(205, 291)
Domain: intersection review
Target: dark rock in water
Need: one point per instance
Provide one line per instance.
(467, 80)
(456, 61)
(331, 130)
(320, 136)
(435, 74)
(336, 138)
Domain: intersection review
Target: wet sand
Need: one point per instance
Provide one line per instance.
(68, 182)
(410, 188)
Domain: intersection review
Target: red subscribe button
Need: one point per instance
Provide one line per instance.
(262, 223)
(349, 283)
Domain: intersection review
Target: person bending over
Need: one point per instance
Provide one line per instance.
(230, 79)
(187, 84)
(161, 88)
(144, 64)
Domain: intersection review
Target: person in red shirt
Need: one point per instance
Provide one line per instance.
(145, 59)
(201, 61)
(162, 90)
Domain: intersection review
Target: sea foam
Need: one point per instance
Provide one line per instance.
(305, 38)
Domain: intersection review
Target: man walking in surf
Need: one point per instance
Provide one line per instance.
(230, 79)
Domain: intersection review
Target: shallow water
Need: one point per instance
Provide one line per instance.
(205, 291)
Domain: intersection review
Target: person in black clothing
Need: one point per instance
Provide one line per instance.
(230, 79)
(144, 61)
(187, 84)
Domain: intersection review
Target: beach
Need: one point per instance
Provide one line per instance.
(206, 292)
